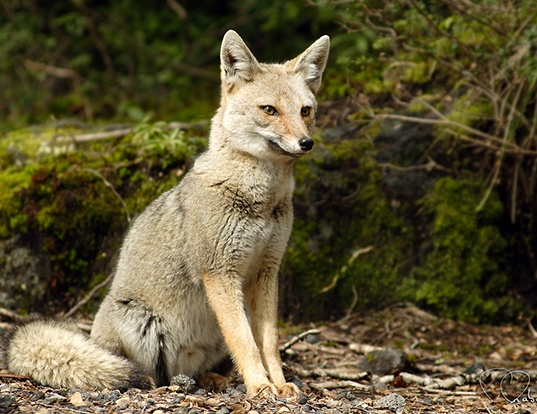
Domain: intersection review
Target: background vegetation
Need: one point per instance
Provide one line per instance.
(421, 187)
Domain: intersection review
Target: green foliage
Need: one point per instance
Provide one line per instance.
(340, 210)
(459, 250)
(476, 79)
(158, 141)
(461, 275)
(352, 247)
(73, 207)
(125, 59)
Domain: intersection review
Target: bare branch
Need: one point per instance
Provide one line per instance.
(509, 146)
(178, 9)
(54, 71)
(118, 133)
(86, 299)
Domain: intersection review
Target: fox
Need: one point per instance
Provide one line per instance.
(196, 281)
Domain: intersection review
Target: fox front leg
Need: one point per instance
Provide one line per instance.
(227, 302)
(262, 301)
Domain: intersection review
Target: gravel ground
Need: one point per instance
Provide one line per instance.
(446, 361)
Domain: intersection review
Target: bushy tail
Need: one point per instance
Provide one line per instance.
(58, 354)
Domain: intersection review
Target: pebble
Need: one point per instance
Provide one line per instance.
(384, 361)
(184, 383)
(52, 397)
(393, 402)
(77, 400)
(6, 401)
(123, 401)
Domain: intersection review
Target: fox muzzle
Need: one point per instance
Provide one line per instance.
(305, 143)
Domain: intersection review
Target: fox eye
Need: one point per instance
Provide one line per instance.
(269, 110)
(305, 111)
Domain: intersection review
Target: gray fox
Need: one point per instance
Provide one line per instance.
(197, 275)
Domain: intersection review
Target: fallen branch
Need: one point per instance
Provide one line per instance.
(329, 385)
(430, 383)
(364, 348)
(297, 338)
(118, 133)
(332, 373)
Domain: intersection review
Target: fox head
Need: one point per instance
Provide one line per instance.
(268, 110)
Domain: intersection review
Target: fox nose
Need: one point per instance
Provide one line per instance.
(305, 143)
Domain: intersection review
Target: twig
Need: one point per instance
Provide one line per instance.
(429, 166)
(89, 296)
(486, 408)
(509, 146)
(53, 70)
(96, 136)
(532, 329)
(343, 269)
(260, 391)
(109, 185)
(178, 9)
(498, 165)
(451, 392)
(328, 385)
(14, 376)
(363, 348)
(11, 315)
(353, 304)
(297, 338)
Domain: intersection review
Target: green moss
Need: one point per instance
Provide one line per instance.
(351, 246)
(348, 243)
(73, 207)
(461, 275)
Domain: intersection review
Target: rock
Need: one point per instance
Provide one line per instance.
(475, 369)
(312, 339)
(123, 401)
(393, 402)
(77, 400)
(406, 144)
(7, 401)
(185, 383)
(384, 361)
(21, 283)
(52, 397)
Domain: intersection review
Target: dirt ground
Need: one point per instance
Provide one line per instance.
(450, 367)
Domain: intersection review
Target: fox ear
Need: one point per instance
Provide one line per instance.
(311, 62)
(237, 63)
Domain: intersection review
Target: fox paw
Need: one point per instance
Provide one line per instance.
(213, 382)
(268, 390)
(265, 390)
(290, 391)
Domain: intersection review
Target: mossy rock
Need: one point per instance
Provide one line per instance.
(68, 206)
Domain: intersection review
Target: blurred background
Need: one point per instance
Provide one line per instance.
(421, 187)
